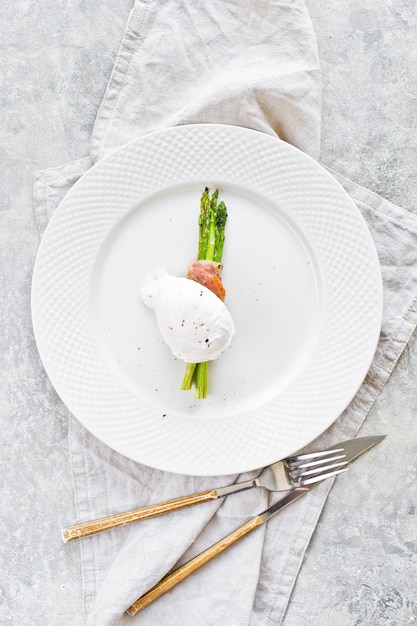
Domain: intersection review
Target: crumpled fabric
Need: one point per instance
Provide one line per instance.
(251, 63)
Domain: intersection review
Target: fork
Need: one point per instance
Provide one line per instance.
(287, 474)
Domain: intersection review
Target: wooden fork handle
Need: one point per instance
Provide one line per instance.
(78, 531)
(172, 580)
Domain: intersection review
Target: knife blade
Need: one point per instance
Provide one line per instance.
(352, 448)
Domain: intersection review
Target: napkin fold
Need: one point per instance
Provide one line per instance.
(251, 63)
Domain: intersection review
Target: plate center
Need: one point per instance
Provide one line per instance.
(274, 294)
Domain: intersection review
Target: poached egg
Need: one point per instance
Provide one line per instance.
(194, 323)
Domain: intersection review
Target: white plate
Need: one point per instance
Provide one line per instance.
(303, 285)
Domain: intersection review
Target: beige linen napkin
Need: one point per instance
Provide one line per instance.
(254, 64)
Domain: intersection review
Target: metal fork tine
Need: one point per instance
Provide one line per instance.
(320, 470)
(319, 462)
(307, 469)
(313, 455)
(322, 476)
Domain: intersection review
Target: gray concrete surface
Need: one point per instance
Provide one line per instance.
(56, 58)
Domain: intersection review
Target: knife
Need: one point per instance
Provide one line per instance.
(353, 448)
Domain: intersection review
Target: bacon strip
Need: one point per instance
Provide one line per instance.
(208, 273)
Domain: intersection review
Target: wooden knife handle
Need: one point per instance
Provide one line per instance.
(173, 579)
(78, 531)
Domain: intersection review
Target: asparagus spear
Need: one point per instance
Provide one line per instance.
(221, 223)
(212, 222)
(203, 223)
